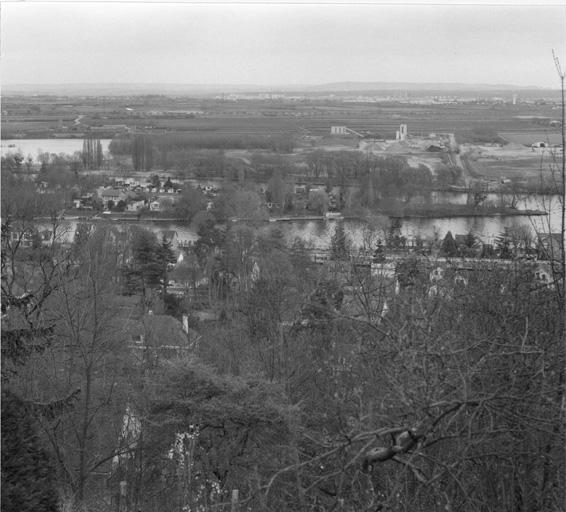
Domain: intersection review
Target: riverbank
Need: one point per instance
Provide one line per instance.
(456, 210)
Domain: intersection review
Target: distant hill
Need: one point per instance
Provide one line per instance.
(203, 89)
(409, 86)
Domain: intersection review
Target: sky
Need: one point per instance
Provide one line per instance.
(280, 44)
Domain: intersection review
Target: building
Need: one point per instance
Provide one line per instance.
(402, 133)
(170, 236)
(338, 130)
(135, 205)
(155, 337)
(111, 194)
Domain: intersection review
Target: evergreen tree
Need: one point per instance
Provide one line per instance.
(155, 181)
(503, 245)
(379, 253)
(395, 239)
(449, 247)
(28, 479)
(164, 256)
(339, 243)
(210, 239)
(145, 270)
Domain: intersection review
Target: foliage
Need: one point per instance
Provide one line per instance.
(448, 175)
(220, 423)
(92, 153)
(28, 480)
(503, 245)
(210, 240)
(478, 135)
(318, 201)
(340, 244)
(449, 247)
(149, 265)
(394, 238)
(142, 153)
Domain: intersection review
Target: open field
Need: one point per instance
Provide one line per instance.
(527, 138)
(255, 116)
(495, 163)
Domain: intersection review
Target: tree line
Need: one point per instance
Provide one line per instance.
(316, 387)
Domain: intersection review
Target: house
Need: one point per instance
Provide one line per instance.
(22, 238)
(111, 194)
(170, 236)
(434, 148)
(135, 205)
(154, 206)
(154, 337)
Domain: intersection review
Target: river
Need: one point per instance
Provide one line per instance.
(318, 232)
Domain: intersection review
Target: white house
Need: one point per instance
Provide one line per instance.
(154, 206)
(135, 206)
(111, 194)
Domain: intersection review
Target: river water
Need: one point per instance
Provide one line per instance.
(35, 146)
(318, 232)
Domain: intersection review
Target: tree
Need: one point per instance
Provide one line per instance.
(416, 182)
(165, 257)
(469, 248)
(92, 156)
(86, 360)
(223, 433)
(279, 191)
(189, 202)
(503, 244)
(318, 201)
(145, 270)
(340, 244)
(395, 239)
(28, 480)
(448, 175)
(478, 194)
(318, 162)
(379, 252)
(210, 240)
(155, 181)
(142, 153)
(449, 247)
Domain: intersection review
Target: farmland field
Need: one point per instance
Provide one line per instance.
(529, 137)
(496, 163)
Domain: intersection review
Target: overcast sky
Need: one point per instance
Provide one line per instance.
(279, 44)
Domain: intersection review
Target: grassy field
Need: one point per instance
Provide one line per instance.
(264, 117)
(527, 138)
(495, 164)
